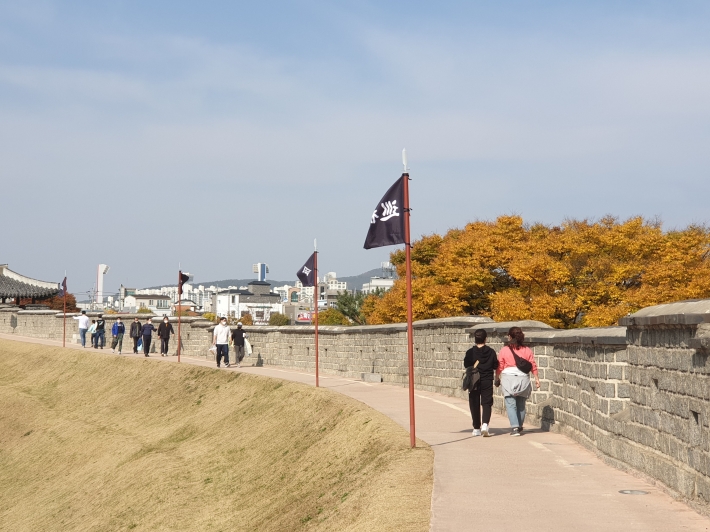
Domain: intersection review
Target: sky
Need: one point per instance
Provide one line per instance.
(214, 135)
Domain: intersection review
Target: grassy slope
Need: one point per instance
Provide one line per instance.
(90, 441)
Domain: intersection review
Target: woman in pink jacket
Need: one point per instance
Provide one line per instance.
(514, 381)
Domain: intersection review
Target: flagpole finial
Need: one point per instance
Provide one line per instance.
(404, 160)
(315, 244)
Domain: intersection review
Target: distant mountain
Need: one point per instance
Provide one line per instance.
(355, 282)
(239, 282)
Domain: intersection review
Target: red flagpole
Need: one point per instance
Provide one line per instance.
(315, 301)
(410, 329)
(179, 312)
(64, 337)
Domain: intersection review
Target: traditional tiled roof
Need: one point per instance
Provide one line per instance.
(15, 285)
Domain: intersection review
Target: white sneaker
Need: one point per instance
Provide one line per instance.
(484, 430)
(113, 351)
(476, 432)
(239, 365)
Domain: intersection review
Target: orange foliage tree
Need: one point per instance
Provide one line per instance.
(580, 274)
(54, 302)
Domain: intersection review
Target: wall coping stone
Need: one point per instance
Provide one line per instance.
(38, 312)
(436, 323)
(690, 312)
(504, 326)
(592, 336)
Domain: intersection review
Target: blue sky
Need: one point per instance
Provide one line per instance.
(220, 134)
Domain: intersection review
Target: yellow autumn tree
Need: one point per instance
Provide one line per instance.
(579, 274)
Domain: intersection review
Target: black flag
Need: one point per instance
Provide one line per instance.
(306, 274)
(387, 223)
(63, 291)
(183, 279)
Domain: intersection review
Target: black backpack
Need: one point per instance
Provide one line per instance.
(523, 365)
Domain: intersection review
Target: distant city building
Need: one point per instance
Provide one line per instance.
(257, 300)
(156, 303)
(328, 290)
(260, 270)
(331, 281)
(377, 283)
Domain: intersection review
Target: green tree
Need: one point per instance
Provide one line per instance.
(279, 319)
(353, 306)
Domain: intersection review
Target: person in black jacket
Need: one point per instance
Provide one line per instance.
(238, 336)
(136, 333)
(100, 338)
(147, 332)
(165, 329)
(482, 395)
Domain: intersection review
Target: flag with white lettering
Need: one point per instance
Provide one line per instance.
(387, 222)
(306, 274)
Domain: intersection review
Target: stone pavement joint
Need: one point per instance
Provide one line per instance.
(541, 481)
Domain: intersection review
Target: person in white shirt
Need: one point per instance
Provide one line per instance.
(83, 326)
(220, 340)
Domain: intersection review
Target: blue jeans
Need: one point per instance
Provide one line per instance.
(515, 408)
(82, 335)
(222, 350)
(100, 339)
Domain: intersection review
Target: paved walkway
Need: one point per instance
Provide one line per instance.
(539, 482)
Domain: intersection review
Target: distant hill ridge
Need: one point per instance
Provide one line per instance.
(354, 281)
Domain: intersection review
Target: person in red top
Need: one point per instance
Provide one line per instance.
(515, 382)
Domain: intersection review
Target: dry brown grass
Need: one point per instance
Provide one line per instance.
(95, 442)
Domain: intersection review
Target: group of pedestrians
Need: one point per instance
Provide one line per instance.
(140, 333)
(510, 369)
(223, 336)
(96, 329)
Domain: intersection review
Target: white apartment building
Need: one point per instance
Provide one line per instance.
(257, 300)
(377, 283)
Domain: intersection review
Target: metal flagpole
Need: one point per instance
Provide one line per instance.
(315, 300)
(410, 329)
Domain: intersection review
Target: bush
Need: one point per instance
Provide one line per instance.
(211, 316)
(110, 311)
(144, 310)
(279, 319)
(332, 316)
(246, 319)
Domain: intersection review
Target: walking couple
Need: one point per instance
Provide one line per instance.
(223, 337)
(510, 369)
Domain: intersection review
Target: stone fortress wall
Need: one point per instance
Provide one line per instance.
(638, 394)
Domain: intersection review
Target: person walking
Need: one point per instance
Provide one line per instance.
(100, 337)
(165, 329)
(147, 332)
(238, 336)
(136, 333)
(92, 333)
(83, 326)
(484, 359)
(515, 363)
(117, 331)
(220, 340)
